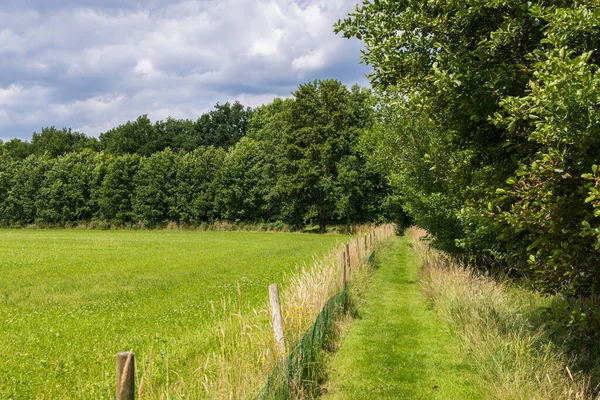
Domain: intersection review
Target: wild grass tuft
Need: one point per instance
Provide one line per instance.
(499, 326)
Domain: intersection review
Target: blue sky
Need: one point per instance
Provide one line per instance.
(91, 65)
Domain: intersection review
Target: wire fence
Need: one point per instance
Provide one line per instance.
(300, 373)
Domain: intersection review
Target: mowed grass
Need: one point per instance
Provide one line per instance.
(399, 348)
(70, 299)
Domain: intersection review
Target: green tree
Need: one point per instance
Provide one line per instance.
(134, 137)
(500, 99)
(154, 198)
(224, 126)
(198, 183)
(8, 167)
(56, 142)
(178, 134)
(321, 128)
(17, 149)
(113, 187)
(245, 183)
(29, 176)
(64, 196)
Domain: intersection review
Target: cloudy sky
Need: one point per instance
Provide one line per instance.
(93, 64)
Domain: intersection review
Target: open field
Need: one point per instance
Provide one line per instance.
(69, 300)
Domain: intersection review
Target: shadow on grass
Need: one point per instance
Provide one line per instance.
(574, 326)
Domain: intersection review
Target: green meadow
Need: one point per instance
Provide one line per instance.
(71, 299)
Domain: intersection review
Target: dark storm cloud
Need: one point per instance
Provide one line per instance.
(91, 65)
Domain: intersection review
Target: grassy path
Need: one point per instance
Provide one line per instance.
(398, 348)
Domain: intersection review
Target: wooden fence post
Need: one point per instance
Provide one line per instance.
(125, 375)
(276, 316)
(348, 260)
(344, 270)
(366, 247)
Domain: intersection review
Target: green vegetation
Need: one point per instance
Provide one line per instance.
(489, 129)
(512, 342)
(398, 347)
(295, 161)
(482, 128)
(316, 306)
(69, 300)
(221, 127)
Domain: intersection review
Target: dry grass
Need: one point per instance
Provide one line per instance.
(494, 321)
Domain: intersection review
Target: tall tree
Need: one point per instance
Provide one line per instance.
(114, 186)
(17, 149)
(134, 137)
(8, 167)
(245, 183)
(224, 126)
(154, 198)
(56, 142)
(29, 177)
(198, 179)
(321, 129)
(504, 94)
(65, 194)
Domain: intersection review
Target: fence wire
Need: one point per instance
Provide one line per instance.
(300, 374)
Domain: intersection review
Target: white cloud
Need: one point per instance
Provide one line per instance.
(17, 95)
(99, 65)
(311, 61)
(144, 67)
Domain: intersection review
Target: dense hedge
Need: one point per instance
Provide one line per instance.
(489, 127)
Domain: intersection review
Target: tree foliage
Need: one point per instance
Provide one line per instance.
(222, 127)
(296, 161)
(497, 105)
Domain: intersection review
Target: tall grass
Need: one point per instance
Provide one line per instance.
(498, 325)
(247, 348)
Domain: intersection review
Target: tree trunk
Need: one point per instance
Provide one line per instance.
(322, 224)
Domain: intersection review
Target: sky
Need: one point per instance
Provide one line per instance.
(91, 65)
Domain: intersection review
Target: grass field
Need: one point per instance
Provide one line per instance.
(69, 300)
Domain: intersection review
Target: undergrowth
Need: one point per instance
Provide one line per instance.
(505, 329)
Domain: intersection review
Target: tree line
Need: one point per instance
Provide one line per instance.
(298, 161)
(222, 127)
(488, 125)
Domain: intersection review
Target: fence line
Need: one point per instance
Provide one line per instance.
(295, 371)
(298, 373)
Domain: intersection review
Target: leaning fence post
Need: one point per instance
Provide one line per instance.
(276, 316)
(125, 375)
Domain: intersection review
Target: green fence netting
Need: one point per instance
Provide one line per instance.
(300, 373)
(371, 258)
